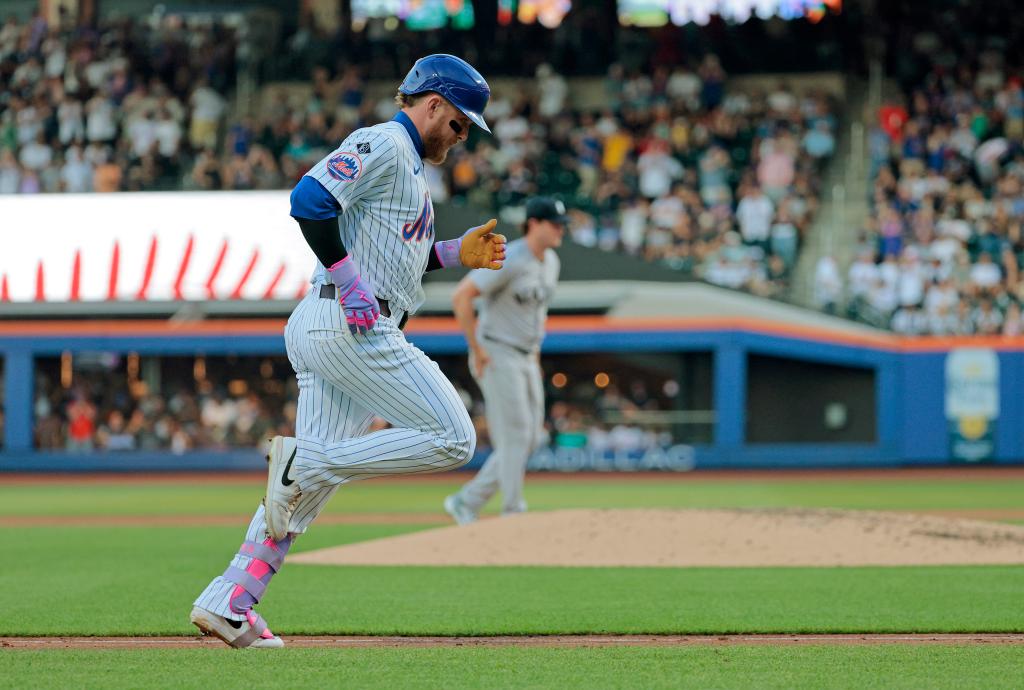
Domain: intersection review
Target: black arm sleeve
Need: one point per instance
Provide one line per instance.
(322, 237)
(433, 263)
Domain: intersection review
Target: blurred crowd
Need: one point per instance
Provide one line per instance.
(942, 249)
(112, 411)
(130, 105)
(611, 423)
(677, 167)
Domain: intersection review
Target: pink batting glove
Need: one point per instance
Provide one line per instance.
(355, 295)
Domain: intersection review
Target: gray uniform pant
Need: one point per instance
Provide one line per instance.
(513, 390)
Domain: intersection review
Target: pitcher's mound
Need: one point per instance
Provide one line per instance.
(693, 538)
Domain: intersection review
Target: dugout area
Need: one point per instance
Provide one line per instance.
(739, 392)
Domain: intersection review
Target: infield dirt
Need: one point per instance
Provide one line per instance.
(694, 538)
(321, 641)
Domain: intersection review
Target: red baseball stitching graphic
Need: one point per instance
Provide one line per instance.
(269, 293)
(115, 262)
(148, 275)
(237, 292)
(80, 287)
(216, 269)
(183, 268)
(40, 283)
(76, 276)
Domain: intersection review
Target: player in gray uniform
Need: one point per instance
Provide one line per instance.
(366, 213)
(504, 356)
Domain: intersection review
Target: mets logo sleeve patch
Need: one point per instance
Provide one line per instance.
(345, 166)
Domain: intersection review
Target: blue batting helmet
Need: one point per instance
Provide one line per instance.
(453, 78)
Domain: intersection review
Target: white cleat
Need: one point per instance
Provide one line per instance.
(459, 511)
(252, 633)
(283, 492)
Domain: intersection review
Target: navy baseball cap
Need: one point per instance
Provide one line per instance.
(546, 208)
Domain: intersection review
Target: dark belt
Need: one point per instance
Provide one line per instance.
(328, 291)
(502, 342)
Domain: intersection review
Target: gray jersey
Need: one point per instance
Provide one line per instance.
(515, 299)
(387, 218)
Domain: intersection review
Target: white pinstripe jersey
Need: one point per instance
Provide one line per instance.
(515, 299)
(387, 218)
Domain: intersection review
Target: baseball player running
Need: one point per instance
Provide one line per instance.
(366, 213)
(504, 358)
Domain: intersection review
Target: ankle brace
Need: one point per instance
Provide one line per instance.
(251, 583)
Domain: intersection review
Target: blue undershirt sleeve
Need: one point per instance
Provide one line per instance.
(310, 200)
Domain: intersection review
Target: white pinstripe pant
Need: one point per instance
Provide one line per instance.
(344, 381)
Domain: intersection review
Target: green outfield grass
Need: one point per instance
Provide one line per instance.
(956, 668)
(219, 498)
(141, 581)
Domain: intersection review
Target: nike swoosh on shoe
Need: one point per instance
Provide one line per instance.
(285, 481)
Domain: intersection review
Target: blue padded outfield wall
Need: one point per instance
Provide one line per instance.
(916, 382)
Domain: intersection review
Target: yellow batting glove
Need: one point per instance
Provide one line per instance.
(482, 248)
(477, 248)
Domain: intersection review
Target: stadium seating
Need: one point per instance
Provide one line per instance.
(942, 250)
(680, 168)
